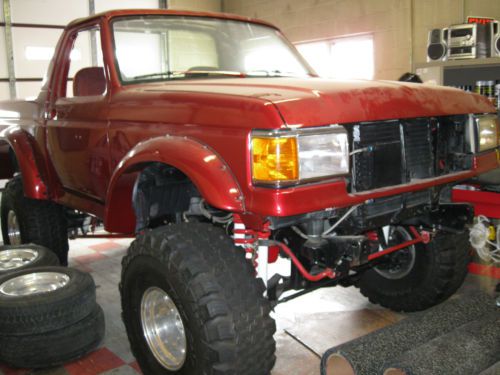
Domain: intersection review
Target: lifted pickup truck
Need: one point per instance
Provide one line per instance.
(211, 139)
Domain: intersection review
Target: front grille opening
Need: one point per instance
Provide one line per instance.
(378, 160)
(391, 153)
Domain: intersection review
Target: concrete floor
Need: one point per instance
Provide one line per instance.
(307, 326)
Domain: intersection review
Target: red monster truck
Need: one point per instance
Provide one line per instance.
(210, 138)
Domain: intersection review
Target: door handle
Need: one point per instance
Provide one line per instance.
(56, 114)
(50, 114)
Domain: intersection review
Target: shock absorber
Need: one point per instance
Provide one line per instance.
(254, 243)
(257, 244)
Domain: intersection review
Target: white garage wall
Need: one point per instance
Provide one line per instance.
(22, 38)
(3, 60)
(28, 90)
(48, 12)
(60, 12)
(4, 91)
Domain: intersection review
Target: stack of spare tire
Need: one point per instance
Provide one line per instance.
(48, 313)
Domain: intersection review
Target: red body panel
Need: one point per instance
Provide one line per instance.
(215, 181)
(309, 198)
(484, 202)
(31, 165)
(77, 140)
(357, 101)
(131, 12)
(316, 101)
(91, 148)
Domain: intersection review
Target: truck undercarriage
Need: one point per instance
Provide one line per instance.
(337, 245)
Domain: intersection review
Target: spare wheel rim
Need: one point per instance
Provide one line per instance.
(163, 328)
(13, 229)
(34, 283)
(16, 258)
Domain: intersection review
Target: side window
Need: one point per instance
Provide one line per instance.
(86, 68)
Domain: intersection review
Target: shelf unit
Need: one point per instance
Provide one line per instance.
(460, 72)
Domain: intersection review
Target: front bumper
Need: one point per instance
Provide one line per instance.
(334, 194)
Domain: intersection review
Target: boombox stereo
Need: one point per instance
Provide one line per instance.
(437, 45)
(469, 41)
(495, 39)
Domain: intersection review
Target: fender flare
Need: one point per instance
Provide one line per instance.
(31, 167)
(202, 165)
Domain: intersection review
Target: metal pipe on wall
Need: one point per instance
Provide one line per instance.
(412, 33)
(9, 51)
(93, 38)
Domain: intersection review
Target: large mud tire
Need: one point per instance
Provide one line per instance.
(41, 222)
(438, 271)
(54, 348)
(27, 312)
(226, 319)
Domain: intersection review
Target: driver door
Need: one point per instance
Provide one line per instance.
(77, 126)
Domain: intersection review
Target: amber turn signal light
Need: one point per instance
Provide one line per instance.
(274, 159)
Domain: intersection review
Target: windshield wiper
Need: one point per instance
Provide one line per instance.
(158, 74)
(271, 73)
(190, 73)
(216, 73)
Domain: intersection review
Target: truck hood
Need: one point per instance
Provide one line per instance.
(315, 101)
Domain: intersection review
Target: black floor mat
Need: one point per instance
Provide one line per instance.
(369, 355)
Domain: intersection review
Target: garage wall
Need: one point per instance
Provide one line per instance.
(198, 5)
(303, 20)
(399, 27)
(39, 24)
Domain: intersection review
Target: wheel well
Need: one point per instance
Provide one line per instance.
(8, 161)
(161, 194)
(13, 161)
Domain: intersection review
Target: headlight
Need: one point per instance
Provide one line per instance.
(274, 159)
(487, 130)
(295, 156)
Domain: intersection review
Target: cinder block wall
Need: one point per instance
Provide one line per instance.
(399, 27)
(198, 5)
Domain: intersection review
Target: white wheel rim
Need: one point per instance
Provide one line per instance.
(34, 283)
(13, 229)
(163, 328)
(396, 273)
(16, 258)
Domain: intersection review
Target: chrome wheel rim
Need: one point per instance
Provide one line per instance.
(34, 283)
(13, 230)
(16, 258)
(163, 328)
(402, 261)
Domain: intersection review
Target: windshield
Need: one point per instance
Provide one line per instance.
(154, 48)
